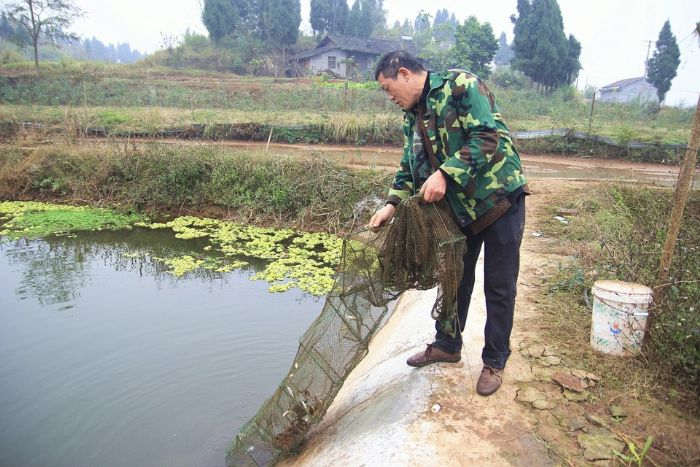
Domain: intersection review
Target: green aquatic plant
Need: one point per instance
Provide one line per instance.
(304, 260)
(298, 259)
(178, 266)
(181, 265)
(31, 219)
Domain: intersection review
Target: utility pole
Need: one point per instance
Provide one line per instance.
(646, 62)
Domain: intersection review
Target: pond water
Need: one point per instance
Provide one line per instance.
(108, 360)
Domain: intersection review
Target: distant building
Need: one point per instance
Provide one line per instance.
(629, 90)
(333, 52)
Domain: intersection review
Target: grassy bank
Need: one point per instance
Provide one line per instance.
(617, 233)
(313, 193)
(138, 99)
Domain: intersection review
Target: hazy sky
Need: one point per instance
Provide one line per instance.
(612, 32)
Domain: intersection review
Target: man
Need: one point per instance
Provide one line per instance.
(463, 152)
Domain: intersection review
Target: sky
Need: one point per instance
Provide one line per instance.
(613, 33)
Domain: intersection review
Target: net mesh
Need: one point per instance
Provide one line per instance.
(422, 248)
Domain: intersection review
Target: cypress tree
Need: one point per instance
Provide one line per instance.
(368, 18)
(504, 55)
(541, 48)
(219, 17)
(352, 25)
(328, 16)
(279, 22)
(663, 64)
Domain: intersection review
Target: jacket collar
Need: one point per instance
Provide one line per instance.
(432, 81)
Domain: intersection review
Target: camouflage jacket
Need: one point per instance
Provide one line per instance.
(471, 142)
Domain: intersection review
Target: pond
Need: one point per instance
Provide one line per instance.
(106, 358)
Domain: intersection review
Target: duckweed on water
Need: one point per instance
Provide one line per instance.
(31, 219)
(181, 265)
(303, 260)
(297, 259)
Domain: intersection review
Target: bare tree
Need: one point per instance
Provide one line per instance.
(44, 18)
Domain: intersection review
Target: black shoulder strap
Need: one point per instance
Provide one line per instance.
(427, 145)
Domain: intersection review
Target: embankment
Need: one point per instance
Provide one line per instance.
(310, 192)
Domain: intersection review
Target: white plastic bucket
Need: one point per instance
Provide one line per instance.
(620, 311)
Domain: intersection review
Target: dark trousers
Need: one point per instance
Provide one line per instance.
(501, 242)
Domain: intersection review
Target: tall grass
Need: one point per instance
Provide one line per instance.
(618, 234)
(309, 193)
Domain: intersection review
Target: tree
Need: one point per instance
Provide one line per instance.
(279, 22)
(505, 53)
(47, 19)
(541, 48)
(368, 18)
(441, 17)
(224, 17)
(364, 18)
(328, 16)
(422, 23)
(443, 29)
(572, 64)
(352, 25)
(663, 64)
(475, 46)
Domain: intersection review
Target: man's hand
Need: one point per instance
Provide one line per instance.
(434, 187)
(382, 216)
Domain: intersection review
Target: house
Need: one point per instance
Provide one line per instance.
(629, 90)
(333, 53)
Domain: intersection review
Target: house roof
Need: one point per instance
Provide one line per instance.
(372, 45)
(312, 52)
(622, 83)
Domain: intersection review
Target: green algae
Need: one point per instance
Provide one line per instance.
(297, 259)
(32, 219)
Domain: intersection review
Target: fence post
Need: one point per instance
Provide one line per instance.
(590, 118)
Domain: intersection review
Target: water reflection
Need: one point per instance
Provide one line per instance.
(55, 269)
(144, 368)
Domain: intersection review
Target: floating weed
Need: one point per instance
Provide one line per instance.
(181, 265)
(298, 259)
(33, 219)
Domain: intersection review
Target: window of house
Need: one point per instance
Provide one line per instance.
(331, 62)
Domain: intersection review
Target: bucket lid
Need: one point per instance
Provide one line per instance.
(622, 288)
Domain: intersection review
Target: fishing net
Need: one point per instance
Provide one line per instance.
(422, 248)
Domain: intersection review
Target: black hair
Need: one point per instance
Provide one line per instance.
(390, 63)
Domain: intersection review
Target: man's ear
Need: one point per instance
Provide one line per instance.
(404, 73)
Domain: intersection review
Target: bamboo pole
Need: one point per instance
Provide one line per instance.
(680, 198)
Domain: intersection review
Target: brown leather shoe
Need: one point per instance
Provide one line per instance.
(489, 381)
(433, 355)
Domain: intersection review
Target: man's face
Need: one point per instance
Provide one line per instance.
(402, 90)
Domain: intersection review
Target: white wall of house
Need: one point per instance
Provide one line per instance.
(642, 90)
(320, 62)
